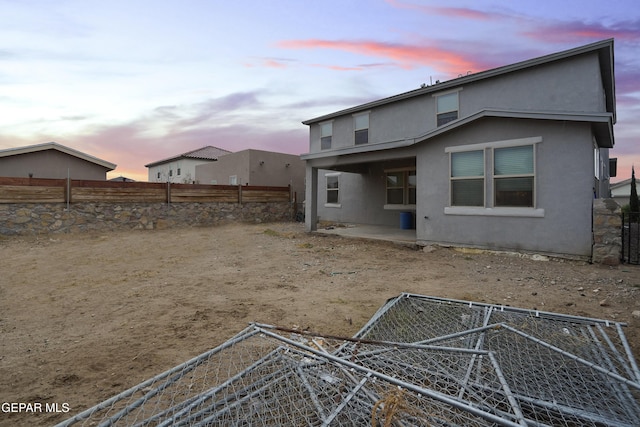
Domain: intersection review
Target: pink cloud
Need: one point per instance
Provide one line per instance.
(407, 56)
(271, 63)
(578, 31)
(455, 12)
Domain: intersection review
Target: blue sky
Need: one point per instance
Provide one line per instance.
(136, 81)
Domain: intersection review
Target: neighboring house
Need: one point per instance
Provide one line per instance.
(255, 167)
(505, 159)
(52, 160)
(181, 169)
(621, 192)
(122, 179)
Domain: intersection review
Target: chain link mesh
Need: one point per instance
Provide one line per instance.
(420, 361)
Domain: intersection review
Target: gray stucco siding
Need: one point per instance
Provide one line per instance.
(565, 197)
(51, 164)
(560, 86)
(564, 86)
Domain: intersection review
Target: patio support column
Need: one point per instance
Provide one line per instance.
(311, 199)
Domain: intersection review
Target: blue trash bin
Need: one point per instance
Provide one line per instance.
(406, 220)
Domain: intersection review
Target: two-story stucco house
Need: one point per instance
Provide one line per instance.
(181, 169)
(506, 159)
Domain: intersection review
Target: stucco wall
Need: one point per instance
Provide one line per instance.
(564, 176)
(30, 219)
(573, 85)
(50, 164)
(256, 167)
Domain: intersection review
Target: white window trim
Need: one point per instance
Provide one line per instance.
(320, 125)
(332, 205)
(448, 92)
(368, 128)
(501, 211)
(483, 178)
(532, 212)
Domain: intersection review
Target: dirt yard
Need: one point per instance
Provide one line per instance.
(84, 317)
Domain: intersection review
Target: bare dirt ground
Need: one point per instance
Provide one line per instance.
(84, 317)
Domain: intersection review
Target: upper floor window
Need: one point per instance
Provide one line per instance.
(446, 108)
(361, 126)
(326, 133)
(233, 180)
(513, 176)
(467, 178)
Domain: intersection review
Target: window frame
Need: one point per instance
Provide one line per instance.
(439, 113)
(495, 177)
(482, 177)
(326, 141)
(357, 129)
(336, 204)
(489, 208)
(406, 188)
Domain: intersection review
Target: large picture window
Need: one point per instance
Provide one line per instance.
(326, 134)
(496, 178)
(467, 178)
(401, 187)
(447, 108)
(513, 176)
(361, 126)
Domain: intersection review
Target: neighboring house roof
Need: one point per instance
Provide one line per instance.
(55, 146)
(122, 179)
(205, 153)
(605, 55)
(620, 183)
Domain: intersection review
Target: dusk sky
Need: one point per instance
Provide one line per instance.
(136, 81)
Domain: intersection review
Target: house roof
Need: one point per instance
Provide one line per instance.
(604, 49)
(55, 146)
(619, 184)
(205, 153)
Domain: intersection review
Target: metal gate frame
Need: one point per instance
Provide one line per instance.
(630, 233)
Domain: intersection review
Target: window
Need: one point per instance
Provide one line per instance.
(361, 126)
(178, 171)
(446, 108)
(233, 180)
(401, 187)
(326, 132)
(158, 175)
(505, 187)
(467, 178)
(170, 172)
(333, 189)
(513, 176)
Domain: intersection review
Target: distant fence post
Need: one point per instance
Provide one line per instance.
(239, 194)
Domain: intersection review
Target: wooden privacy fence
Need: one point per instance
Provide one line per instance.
(40, 190)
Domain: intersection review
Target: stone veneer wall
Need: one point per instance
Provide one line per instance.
(45, 218)
(607, 226)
